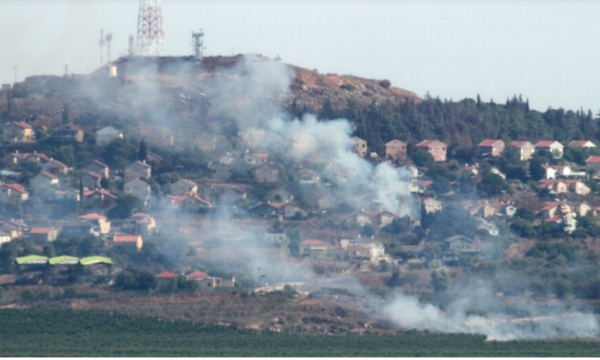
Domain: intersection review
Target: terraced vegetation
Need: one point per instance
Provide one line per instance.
(82, 333)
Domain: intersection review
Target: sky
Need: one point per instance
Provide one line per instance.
(547, 51)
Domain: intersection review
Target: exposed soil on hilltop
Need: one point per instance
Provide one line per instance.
(175, 88)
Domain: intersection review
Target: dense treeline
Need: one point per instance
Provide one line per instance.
(464, 123)
(35, 333)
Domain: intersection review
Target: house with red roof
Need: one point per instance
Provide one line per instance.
(139, 223)
(44, 181)
(183, 187)
(553, 146)
(282, 209)
(307, 176)
(91, 180)
(42, 234)
(587, 144)
(98, 167)
(489, 147)
(592, 164)
(265, 173)
(190, 201)
(140, 189)
(99, 222)
(165, 277)
(314, 249)
(395, 149)
(68, 132)
(129, 239)
(526, 149)
(436, 148)
(18, 131)
(13, 192)
(55, 167)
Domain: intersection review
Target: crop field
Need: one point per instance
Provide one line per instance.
(84, 333)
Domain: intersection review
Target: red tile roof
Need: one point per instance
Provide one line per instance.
(579, 143)
(260, 155)
(198, 275)
(545, 143)
(22, 124)
(58, 163)
(429, 143)
(518, 143)
(593, 159)
(92, 216)
(16, 187)
(99, 163)
(126, 238)
(47, 174)
(40, 230)
(166, 275)
(93, 174)
(488, 142)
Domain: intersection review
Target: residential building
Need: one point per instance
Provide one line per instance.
(592, 165)
(254, 159)
(18, 131)
(303, 143)
(68, 132)
(44, 181)
(100, 223)
(359, 146)
(307, 176)
(395, 149)
(139, 189)
(431, 205)
(42, 234)
(77, 229)
(91, 180)
(265, 173)
(190, 202)
(157, 136)
(97, 167)
(526, 149)
(106, 135)
(136, 170)
(315, 249)
(13, 192)
(436, 148)
(554, 147)
(489, 147)
(222, 169)
(135, 240)
(183, 187)
(582, 144)
(55, 167)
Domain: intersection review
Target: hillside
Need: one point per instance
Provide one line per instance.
(176, 93)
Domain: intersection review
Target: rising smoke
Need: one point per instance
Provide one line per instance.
(250, 94)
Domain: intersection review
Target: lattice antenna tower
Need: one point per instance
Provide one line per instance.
(150, 35)
(102, 44)
(108, 40)
(198, 44)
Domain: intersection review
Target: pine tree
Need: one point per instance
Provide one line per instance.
(143, 150)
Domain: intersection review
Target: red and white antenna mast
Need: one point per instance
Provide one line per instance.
(150, 33)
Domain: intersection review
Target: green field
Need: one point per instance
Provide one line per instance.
(82, 333)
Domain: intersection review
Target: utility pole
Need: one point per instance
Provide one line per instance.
(66, 70)
(16, 68)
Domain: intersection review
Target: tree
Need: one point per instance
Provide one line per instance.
(125, 206)
(143, 150)
(493, 185)
(432, 250)
(440, 281)
(134, 279)
(422, 158)
(536, 169)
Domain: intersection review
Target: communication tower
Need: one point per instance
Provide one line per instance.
(102, 43)
(198, 44)
(150, 33)
(108, 39)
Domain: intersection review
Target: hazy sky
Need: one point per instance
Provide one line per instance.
(548, 51)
